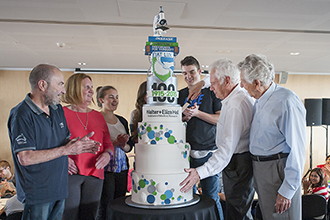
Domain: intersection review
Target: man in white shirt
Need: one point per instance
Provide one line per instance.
(232, 139)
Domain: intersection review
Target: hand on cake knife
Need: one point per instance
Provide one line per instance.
(185, 106)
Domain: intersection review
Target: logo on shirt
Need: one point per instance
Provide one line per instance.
(198, 100)
(61, 125)
(21, 139)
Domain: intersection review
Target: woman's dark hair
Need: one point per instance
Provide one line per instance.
(327, 158)
(101, 91)
(140, 101)
(320, 173)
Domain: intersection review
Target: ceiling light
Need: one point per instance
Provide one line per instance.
(60, 45)
(82, 64)
(294, 53)
(224, 51)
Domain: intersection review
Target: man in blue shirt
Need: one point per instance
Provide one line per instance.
(39, 139)
(277, 140)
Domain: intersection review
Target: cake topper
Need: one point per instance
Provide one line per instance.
(161, 51)
(160, 23)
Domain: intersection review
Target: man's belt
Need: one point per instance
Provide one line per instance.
(269, 158)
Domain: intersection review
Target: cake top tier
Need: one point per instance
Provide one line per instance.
(162, 83)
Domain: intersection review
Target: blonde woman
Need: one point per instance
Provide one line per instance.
(86, 171)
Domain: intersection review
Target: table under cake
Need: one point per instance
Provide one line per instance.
(204, 209)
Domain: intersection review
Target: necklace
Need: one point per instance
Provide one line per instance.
(85, 126)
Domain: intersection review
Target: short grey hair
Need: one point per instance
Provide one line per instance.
(224, 67)
(41, 72)
(257, 67)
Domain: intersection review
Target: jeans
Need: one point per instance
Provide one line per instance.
(47, 211)
(210, 186)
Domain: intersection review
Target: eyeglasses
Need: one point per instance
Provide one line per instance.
(2, 170)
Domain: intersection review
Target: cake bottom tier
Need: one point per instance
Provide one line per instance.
(154, 189)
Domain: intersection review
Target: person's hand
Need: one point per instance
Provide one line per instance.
(187, 114)
(72, 167)
(194, 110)
(6, 186)
(122, 139)
(84, 145)
(282, 204)
(190, 181)
(195, 90)
(102, 160)
(305, 183)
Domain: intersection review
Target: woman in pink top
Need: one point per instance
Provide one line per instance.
(86, 171)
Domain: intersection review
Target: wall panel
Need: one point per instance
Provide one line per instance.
(14, 87)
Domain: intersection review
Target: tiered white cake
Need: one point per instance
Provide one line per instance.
(161, 153)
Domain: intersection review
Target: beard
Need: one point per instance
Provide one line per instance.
(50, 98)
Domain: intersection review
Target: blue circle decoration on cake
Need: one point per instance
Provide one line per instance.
(153, 142)
(168, 194)
(167, 135)
(151, 134)
(151, 199)
(167, 201)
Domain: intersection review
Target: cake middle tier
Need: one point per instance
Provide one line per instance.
(161, 133)
(161, 158)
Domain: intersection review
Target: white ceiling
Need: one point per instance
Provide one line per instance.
(111, 34)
